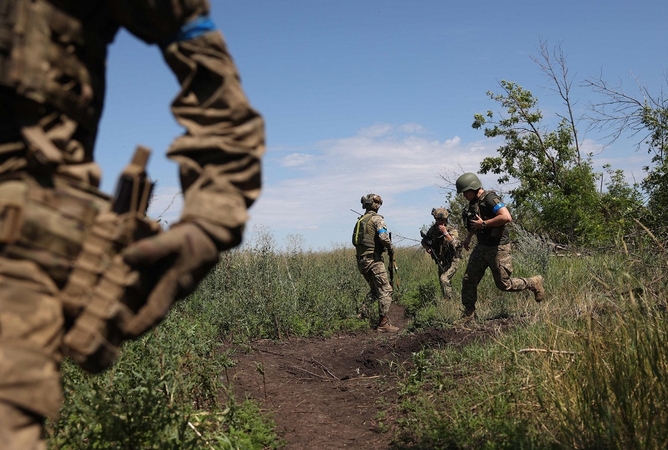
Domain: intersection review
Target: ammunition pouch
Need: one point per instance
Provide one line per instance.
(95, 292)
(46, 220)
(73, 232)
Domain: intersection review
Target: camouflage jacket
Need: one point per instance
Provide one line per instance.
(52, 77)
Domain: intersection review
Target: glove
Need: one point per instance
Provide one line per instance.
(170, 265)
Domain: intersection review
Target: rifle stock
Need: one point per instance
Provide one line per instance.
(430, 243)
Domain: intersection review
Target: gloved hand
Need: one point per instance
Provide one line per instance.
(170, 265)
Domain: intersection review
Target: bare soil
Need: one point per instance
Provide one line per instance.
(338, 392)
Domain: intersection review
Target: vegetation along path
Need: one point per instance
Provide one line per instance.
(337, 392)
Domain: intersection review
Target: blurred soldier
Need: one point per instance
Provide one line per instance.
(486, 217)
(52, 81)
(441, 241)
(371, 239)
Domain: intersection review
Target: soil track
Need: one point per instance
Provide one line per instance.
(328, 393)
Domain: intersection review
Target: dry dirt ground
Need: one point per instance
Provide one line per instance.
(327, 393)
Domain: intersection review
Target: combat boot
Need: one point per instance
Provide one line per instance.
(385, 327)
(536, 286)
(468, 316)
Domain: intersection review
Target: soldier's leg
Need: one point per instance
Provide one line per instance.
(501, 266)
(384, 298)
(364, 266)
(31, 330)
(382, 286)
(445, 279)
(475, 270)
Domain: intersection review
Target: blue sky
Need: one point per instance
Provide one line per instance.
(378, 96)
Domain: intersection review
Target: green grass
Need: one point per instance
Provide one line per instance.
(585, 369)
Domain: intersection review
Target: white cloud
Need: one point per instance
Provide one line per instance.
(376, 130)
(296, 160)
(414, 128)
(399, 163)
(402, 164)
(591, 146)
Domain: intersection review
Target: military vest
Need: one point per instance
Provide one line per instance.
(55, 55)
(365, 239)
(483, 206)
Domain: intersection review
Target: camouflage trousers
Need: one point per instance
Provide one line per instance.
(375, 274)
(445, 278)
(31, 331)
(499, 261)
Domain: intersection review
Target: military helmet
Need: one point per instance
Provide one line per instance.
(468, 182)
(440, 213)
(371, 201)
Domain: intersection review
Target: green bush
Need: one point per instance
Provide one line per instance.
(164, 392)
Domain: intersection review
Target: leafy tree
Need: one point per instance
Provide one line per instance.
(621, 203)
(556, 188)
(647, 116)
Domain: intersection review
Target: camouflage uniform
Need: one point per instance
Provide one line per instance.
(371, 239)
(493, 251)
(52, 82)
(447, 253)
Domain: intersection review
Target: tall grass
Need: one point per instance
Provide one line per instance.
(585, 369)
(612, 391)
(261, 292)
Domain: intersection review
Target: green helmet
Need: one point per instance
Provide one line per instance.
(468, 182)
(440, 213)
(371, 201)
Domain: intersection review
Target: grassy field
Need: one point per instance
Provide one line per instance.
(585, 369)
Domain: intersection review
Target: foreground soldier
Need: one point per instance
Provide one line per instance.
(371, 239)
(486, 217)
(441, 241)
(52, 80)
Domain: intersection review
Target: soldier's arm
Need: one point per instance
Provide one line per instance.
(219, 154)
(501, 218)
(383, 235)
(455, 243)
(501, 213)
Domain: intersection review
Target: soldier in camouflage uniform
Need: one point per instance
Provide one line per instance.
(486, 217)
(441, 241)
(52, 81)
(371, 239)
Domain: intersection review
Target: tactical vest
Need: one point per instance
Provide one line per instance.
(488, 236)
(442, 249)
(76, 235)
(365, 239)
(56, 58)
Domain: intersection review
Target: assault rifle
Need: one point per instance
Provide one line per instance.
(430, 244)
(393, 267)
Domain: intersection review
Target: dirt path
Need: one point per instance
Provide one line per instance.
(328, 393)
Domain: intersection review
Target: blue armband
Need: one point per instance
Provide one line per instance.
(498, 207)
(382, 230)
(192, 30)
